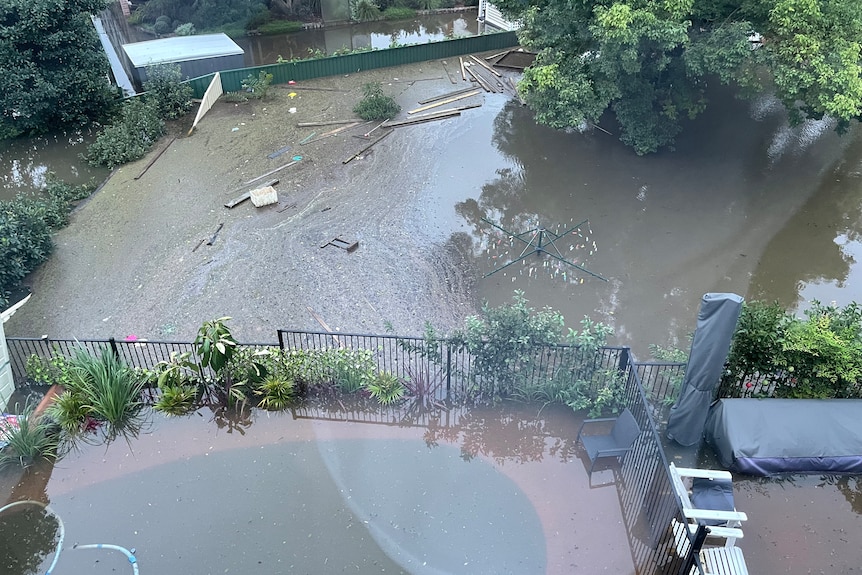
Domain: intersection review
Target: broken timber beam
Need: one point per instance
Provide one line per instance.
(482, 81)
(446, 101)
(425, 118)
(235, 190)
(486, 66)
(463, 73)
(333, 132)
(269, 173)
(366, 148)
(156, 157)
(446, 95)
(326, 123)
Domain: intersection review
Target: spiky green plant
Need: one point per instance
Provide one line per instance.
(176, 399)
(27, 442)
(70, 412)
(386, 388)
(276, 393)
(109, 390)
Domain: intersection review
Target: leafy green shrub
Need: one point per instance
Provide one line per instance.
(258, 19)
(162, 25)
(187, 29)
(235, 97)
(166, 93)
(276, 393)
(280, 27)
(365, 10)
(26, 225)
(257, 87)
(398, 13)
(374, 105)
(775, 353)
(52, 371)
(129, 138)
(176, 399)
(28, 442)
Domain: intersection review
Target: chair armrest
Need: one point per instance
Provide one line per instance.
(714, 515)
(704, 473)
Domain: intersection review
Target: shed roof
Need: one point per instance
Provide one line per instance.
(180, 49)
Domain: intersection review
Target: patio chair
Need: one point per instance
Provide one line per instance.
(710, 503)
(616, 443)
(713, 560)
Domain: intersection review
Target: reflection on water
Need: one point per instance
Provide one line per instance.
(669, 227)
(28, 538)
(26, 162)
(261, 50)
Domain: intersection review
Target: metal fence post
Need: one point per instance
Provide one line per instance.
(113, 343)
(448, 371)
(624, 359)
(281, 340)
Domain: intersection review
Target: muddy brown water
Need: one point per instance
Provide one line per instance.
(500, 492)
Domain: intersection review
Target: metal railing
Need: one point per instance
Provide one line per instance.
(647, 498)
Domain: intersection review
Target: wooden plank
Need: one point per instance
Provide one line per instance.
(425, 118)
(366, 148)
(269, 173)
(463, 73)
(446, 95)
(235, 190)
(156, 157)
(446, 101)
(326, 123)
(482, 81)
(323, 323)
(486, 66)
(238, 200)
(451, 79)
(325, 135)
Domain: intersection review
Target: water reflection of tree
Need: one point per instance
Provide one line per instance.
(28, 533)
(850, 487)
(805, 250)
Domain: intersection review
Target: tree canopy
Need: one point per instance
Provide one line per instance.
(648, 61)
(53, 71)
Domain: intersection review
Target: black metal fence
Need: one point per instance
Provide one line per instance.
(646, 494)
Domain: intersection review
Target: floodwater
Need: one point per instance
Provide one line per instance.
(25, 163)
(743, 204)
(262, 50)
(503, 491)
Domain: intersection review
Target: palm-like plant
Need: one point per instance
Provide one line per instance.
(386, 388)
(365, 10)
(27, 441)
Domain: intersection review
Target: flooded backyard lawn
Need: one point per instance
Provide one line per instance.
(501, 492)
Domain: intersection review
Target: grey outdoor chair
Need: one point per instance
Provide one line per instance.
(615, 444)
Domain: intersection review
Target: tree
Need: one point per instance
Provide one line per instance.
(52, 67)
(648, 61)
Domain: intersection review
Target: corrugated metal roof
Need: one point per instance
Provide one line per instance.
(180, 49)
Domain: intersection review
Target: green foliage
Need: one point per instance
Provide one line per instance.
(166, 93)
(399, 13)
(129, 138)
(187, 29)
(280, 27)
(26, 226)
(214, 344)
(257, 87)
(101, 389)
(176, 399)
(503, 340)
(51, 371)
(276, 393)
(203, 14)
(649, 62)
(28, 442)
(816, 357)
(386, 388)
(53, 67)
(366, 10)
(162, 25)
(374, 105)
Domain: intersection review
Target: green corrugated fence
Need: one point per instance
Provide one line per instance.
(352, 63)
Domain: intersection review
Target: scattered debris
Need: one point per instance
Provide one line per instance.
(200, 243)
(212, 240)
(245, 196)
(476, 75)
(451, 79)
(463, 72)
(307, 138)
(446, 101)
(277, 153)
(486, 66)
(333, 132)
(323, 323)
(295, 160)
(326, 123)
(156, 157)
(366, 148)
(345, 245)
(293, 205)
(264, 196)
(425, 118)
(446, 95)
(516, 59)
